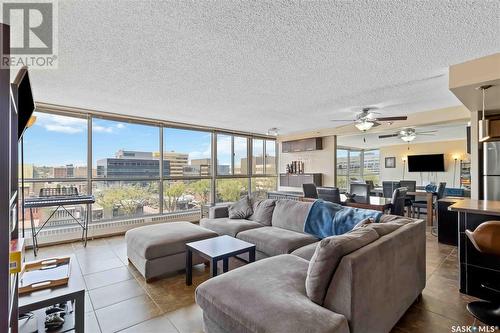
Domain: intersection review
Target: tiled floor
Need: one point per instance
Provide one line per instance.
(118, 299)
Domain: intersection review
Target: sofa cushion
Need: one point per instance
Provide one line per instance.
(327, 256)
(306, 252)
(273, 241)
(266, 296)
(227, 226)
(241, 209)
(164, 239)
(291, 214)
(263, 211)
(383, 229)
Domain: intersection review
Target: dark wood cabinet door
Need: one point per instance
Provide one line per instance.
(297, 146)
(310, 144)
(283, 180)
(294, 181)
(307, 179)
(286, 146)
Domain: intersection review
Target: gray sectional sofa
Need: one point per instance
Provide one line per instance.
(378, 274)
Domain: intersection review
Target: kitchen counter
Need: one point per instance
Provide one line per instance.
(483, 207)
(476, 269)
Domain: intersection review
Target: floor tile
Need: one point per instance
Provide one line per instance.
(188, 319)
(154, 325)
(114, 293)
(98, 265)
(125, 314)
(91, 324)
(88, 303)
(104, 278)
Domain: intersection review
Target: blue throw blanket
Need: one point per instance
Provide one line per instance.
(329, 219)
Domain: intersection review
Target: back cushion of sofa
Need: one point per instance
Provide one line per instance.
(263, 211)
(327, 256)
(291, 214)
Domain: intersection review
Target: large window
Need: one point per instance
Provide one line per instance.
(342, 169)
(186, 153)
(141, 169)
(356, 165)
(124, 199)
(258, 157)
(183, 195)
(124, 150)
(55, 147)
(371, 166)
(240, 153)
(231, 189)
(270, 157)
(224, 154)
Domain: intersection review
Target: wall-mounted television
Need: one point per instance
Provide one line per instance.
(25, 104)
(426, 163)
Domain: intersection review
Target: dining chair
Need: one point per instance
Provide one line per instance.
(418, 205)
(331, 194)
(388, 188)
(411, 186)
(310, 191)
(398, 201)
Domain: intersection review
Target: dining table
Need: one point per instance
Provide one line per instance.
(372, 202)
(429, 197)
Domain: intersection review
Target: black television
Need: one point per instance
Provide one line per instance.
(426, 163)
(25, 103)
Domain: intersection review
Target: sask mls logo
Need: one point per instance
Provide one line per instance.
(33, 33)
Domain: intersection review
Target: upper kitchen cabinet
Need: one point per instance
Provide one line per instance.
(302, 145)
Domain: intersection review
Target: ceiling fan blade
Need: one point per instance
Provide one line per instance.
(350, 121)
(392, 118)
(375, 124)
(426, 134)
(387, 136)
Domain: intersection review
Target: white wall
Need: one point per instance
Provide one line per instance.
(318, 161)
(448, 148)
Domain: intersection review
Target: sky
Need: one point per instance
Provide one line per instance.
(58, 140)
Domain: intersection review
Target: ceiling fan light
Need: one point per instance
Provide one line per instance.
(364, 125)
(408, 138)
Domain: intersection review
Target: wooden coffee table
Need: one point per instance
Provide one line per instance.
(215, 249)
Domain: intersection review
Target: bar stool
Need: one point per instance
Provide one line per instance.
(486, 239)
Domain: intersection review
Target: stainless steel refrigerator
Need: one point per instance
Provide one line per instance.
(491, 170)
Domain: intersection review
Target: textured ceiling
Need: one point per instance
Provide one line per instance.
(252, 65)
(444, 132)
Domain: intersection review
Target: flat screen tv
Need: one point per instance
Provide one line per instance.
(426, 163)
(24, 102)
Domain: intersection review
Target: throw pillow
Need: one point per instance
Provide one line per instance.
(263, 211)
(327, 256)
(241, 209)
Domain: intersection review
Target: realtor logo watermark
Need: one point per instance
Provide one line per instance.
(33, 33)
(474, 329)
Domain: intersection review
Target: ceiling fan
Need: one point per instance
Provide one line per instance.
(367, 119)
(407, 134)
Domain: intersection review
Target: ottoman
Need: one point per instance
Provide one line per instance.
(161, 248)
